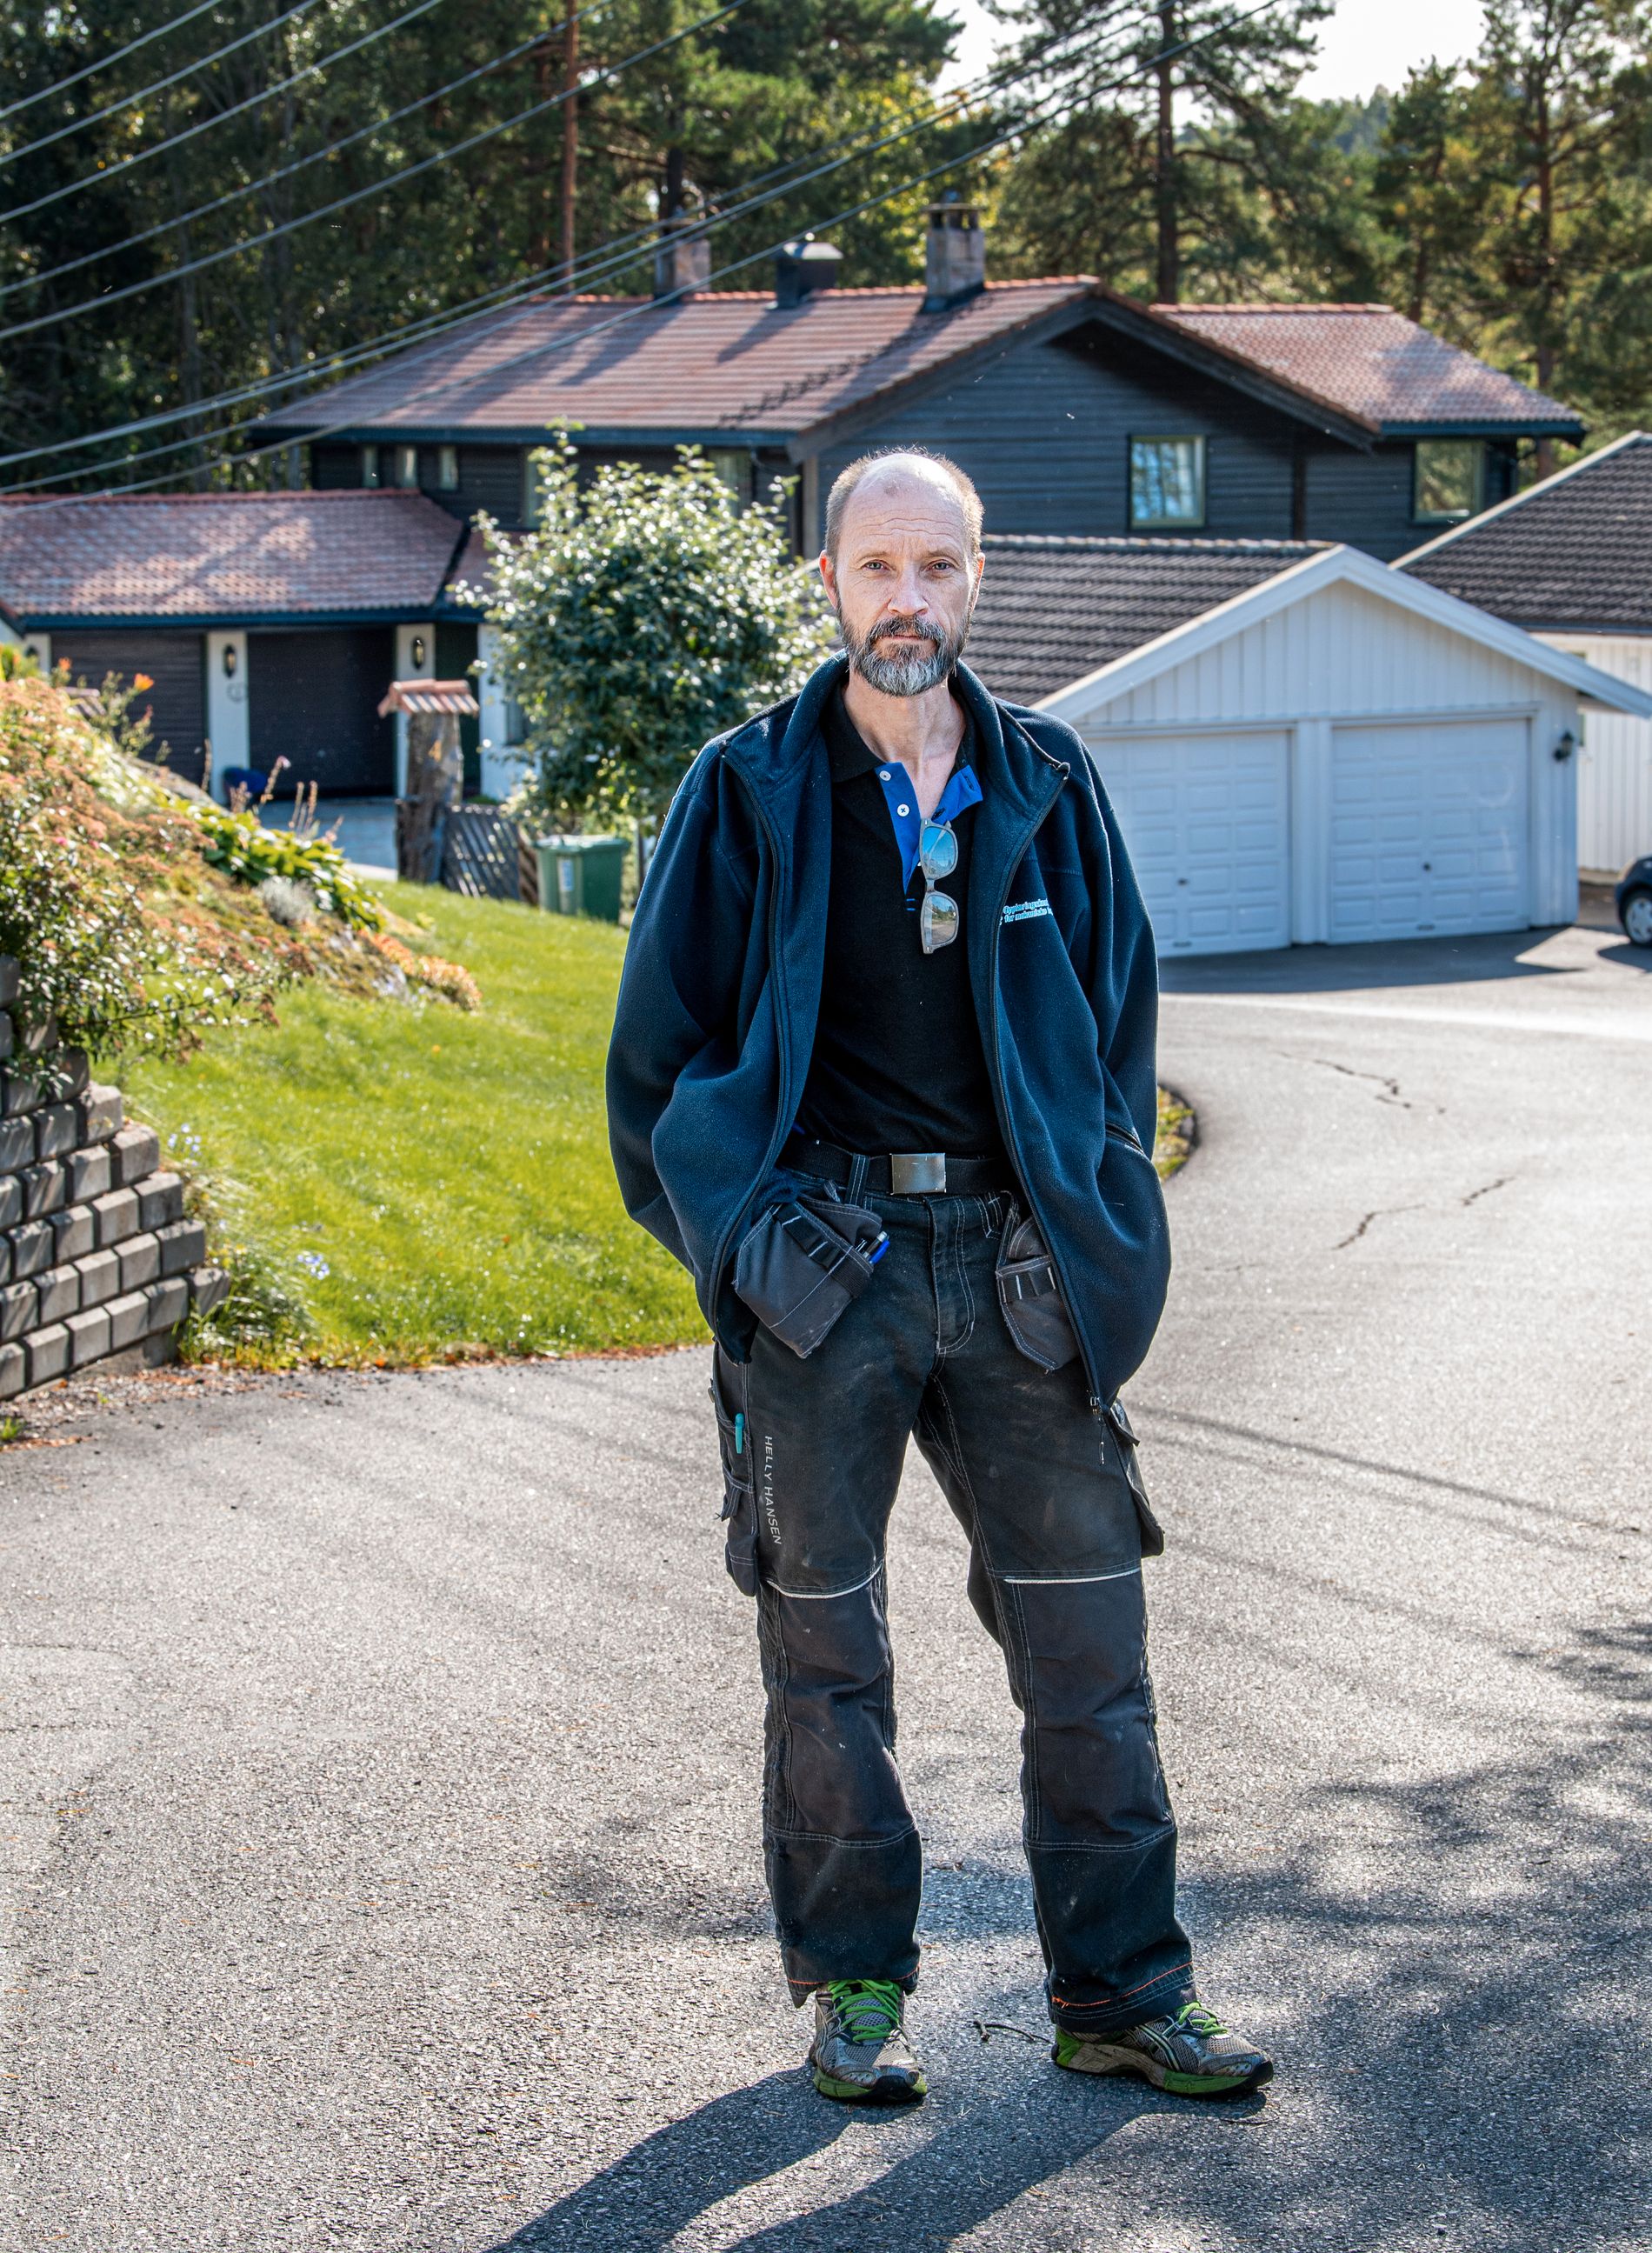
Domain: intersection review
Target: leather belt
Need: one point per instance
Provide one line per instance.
(902, 1173)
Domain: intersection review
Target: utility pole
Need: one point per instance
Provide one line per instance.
(570, 133)
(1168, 285)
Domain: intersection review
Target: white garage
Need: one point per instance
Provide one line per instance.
(1336, 752)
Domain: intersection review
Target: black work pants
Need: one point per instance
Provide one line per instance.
(1050, 1498)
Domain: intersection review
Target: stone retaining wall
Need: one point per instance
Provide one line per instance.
(95, 1253)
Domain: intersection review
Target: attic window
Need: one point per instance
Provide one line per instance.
(447, 469)
(405, 465)
(1167, 484)
(370, 465)
(1450, 479)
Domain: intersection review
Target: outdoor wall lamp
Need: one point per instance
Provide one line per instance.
(418, 654)
(229, 660)
(1566, 747)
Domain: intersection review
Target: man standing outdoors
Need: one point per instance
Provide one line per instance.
(882, 1078)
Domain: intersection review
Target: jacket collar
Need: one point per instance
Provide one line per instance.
(1007, 759)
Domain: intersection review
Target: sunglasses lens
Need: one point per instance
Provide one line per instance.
(937, 850)
(937, 922)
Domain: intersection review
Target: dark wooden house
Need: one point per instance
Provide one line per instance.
(1076, 411)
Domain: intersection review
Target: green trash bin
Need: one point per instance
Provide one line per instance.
(582, 875)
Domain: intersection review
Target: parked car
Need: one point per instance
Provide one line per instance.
(1634, 896)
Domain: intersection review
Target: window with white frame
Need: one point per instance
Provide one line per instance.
(1167, 483)
(1449, 480)
(533, 491)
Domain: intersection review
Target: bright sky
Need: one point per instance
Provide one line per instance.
(1366, 43)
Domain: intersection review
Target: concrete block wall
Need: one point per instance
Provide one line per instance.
(95, 1253)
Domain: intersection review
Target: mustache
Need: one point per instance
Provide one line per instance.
(905, 629)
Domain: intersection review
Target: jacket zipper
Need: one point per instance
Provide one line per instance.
(1018, 855)
(785, 1036)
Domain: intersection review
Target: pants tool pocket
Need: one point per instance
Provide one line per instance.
(1124, 1439)
(739, 1496)
(804, 1262)
(1034, 1309)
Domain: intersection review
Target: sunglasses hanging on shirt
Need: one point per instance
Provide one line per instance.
(936, 857)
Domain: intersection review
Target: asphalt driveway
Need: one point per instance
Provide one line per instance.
(380, 1755)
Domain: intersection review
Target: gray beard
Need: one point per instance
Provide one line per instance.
(903, 676)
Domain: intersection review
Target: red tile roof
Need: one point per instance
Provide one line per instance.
(734, 360)
(233, 557)
(1368, 361)
(725, 361)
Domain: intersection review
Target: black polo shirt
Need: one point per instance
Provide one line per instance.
(898, 1063)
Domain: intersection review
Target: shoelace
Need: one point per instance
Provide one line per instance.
(867, 2010)
(1194, 2019)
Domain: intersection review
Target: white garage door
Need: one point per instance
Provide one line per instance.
(1206, 820)
(1428, 829)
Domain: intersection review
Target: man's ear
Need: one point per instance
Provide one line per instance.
(980, 565)
(828, 577)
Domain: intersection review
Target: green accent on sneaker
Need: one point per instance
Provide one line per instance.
(882, 2093)
(870, 2009)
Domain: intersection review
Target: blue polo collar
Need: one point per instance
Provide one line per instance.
(962, 791)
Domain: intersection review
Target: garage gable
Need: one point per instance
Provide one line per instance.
(1405, 598)
(1327, 757)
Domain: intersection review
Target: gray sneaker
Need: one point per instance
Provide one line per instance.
(860, 2053)
(1191, 2055)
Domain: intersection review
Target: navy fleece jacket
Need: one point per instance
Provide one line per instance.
(717, 1008)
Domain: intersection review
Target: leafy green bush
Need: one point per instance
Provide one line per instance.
(239, 845)
(646, 613)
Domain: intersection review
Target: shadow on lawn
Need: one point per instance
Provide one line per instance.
(1473, 2075)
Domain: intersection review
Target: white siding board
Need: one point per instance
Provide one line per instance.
(1614, 766)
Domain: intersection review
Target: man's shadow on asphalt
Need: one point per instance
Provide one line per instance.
(931, 2195)
(1472, 2051)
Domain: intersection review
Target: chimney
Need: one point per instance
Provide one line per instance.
(803, 266)
(682, 263)
(954, 254)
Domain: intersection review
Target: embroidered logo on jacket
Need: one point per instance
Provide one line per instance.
(1024, 911)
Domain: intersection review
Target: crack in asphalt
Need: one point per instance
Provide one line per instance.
(1381, 1212)
(1502, 1182)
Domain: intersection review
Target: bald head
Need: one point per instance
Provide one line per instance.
(883, 481)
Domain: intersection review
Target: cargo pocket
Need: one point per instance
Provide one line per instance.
(1123, 1439)
(739, 1498)
(1034, 1309)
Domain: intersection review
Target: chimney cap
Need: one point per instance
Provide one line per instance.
(952, 211)
(804, 266)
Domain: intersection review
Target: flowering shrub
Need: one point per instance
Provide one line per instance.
(238, 844)
(94, 895)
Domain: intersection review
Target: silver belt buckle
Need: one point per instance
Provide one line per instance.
(917, 1173)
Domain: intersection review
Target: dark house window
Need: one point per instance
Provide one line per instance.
(447, 469)
(370, 465)
(404, 467)
(1450, 480)
(1167, 484)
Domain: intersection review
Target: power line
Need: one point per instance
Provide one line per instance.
(108, 62)
(374, 188)
(128, 101)
(838, 219)
(598, 264)
(298, 165)
(219, 116)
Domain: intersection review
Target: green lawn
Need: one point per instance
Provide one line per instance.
(422, 1183)
(450, 1172)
